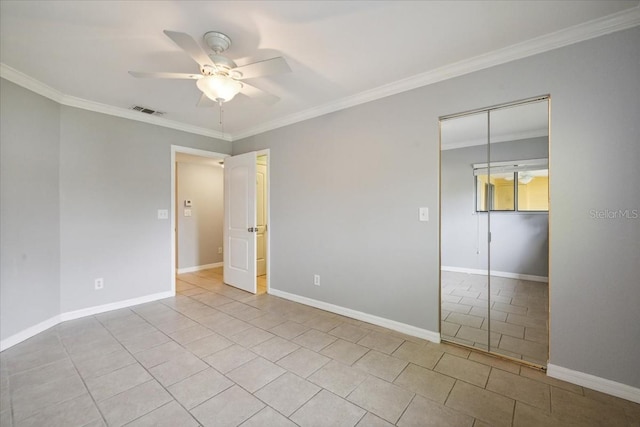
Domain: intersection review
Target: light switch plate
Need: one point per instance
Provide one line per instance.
(187, 212)
(163, 214)
(424, 214)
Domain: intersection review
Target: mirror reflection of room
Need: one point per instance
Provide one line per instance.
(494, 206)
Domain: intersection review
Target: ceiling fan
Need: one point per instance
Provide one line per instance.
(220, 79)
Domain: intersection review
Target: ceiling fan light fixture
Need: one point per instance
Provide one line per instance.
(219, 88)
(524, 178)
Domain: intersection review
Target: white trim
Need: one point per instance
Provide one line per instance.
(588, 30)
(198, 152)
(506, 274)
(28, 333)
(603, 385)
(71, 315)
(43, 326)
(200, 267)
(30, 83)
(359, 315)
(84, 104)
(40, 88)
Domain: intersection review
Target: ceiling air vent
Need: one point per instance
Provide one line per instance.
(146, 110)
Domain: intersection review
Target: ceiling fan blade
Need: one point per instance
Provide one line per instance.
(206, 102)
(258, 94)
(143, 74)
(264, 68)
(189, 45)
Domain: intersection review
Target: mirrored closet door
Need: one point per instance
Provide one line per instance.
(494, 200)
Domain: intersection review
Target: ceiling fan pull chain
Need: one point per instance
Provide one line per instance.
(221, 113)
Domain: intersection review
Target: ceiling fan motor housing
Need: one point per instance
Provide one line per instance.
(217, 42)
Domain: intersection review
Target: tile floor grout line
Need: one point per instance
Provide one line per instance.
(209, 366)
(153, 378)
(289, 312)
(405, 409)
(95, 403)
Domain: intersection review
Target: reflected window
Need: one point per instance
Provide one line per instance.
(533, 190)
(495, 193)
(516, 186)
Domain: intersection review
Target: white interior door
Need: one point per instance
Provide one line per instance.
(240, 221)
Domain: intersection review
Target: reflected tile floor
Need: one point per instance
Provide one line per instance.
(217, 356)
(518, 317)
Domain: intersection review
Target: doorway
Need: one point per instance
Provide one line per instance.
(494, 230)
(191, 215)
(261, 224)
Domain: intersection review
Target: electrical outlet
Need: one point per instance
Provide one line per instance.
(220, 250)
(316, 279)
(99, 283)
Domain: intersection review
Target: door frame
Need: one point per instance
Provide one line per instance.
(174, 241)
(267, 244)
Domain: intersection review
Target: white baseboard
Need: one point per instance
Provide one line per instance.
(603, 385)
(365, 317)
(70, 315)
(28, 333)
(200, 267)
(506, 274)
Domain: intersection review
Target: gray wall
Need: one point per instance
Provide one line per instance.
(80, 193)
(200, 235)
(114, 176)
(30, 209)
(351, 214)
(519, 240)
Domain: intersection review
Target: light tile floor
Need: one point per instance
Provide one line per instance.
(217, 356)
(518, 317)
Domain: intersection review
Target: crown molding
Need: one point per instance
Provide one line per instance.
(125, 113)
(588, 30)
(606, 25)
(30, 83)
(40, 88)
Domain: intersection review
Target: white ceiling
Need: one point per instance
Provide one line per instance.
(341, 52)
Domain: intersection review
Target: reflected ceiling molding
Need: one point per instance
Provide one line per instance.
(40, 88)
(500, 138)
